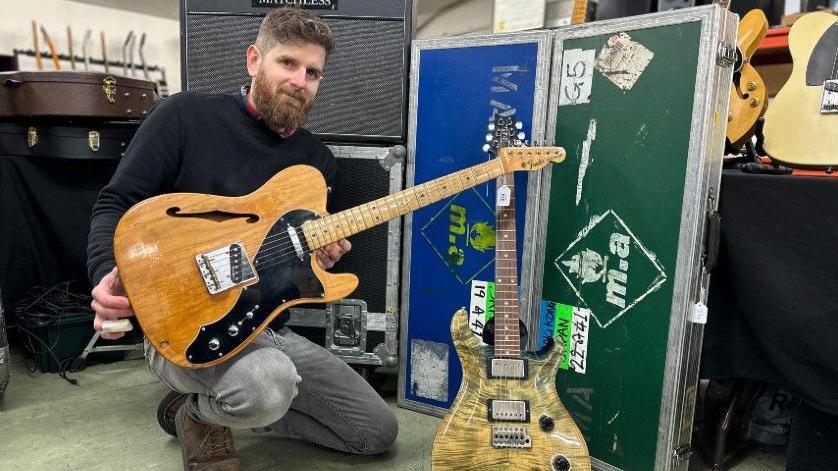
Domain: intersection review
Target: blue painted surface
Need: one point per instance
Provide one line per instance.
(459, 90)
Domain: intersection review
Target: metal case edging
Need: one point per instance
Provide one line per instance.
(703, 177)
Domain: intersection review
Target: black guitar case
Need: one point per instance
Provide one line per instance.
(72, 141)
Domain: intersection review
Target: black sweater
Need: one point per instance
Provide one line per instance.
(198, 144)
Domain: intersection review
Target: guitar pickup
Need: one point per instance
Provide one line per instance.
(508, 411)
(829, 99)
(510, 437)
(510, 368)
(225, 267)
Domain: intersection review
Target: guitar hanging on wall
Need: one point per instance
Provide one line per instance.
(206, 274)
(507, 414)
(801, 125)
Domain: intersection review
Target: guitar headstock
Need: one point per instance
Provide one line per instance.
(506, 142)
(504, 131)
(529, 158)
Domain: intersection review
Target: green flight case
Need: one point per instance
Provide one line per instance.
(621, 258)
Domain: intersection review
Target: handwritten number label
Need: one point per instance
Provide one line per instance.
(577, 76)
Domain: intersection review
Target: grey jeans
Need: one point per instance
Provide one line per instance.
(290, 385)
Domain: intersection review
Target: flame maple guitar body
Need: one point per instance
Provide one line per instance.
(464, 439)
(161, 242)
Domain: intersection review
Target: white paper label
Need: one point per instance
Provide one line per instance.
(504, 196)
(577, 76)
(482, 303)
(622, 60)
(578, 351)
(699, 314)
(518, 15)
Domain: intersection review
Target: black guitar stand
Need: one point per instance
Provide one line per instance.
(750, 160)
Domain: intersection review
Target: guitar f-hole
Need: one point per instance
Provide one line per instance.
(215, 215)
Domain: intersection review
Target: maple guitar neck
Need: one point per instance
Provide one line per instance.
(321, 232)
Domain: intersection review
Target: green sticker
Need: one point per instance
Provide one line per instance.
(562, 330)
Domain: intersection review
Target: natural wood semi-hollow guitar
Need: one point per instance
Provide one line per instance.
(748, 95)
(507, 414)
(206, 274)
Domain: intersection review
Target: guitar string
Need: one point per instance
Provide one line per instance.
(269, 255)
(388, 207)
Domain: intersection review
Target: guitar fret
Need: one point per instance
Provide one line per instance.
(353, 220)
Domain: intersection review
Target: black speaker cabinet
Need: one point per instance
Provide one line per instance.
(363, 96)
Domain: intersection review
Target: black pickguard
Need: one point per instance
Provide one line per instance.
(822, 62)
(282, 277)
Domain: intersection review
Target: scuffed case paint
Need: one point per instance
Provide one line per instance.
(429, 369)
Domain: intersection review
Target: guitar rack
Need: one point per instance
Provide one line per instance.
(159, 84)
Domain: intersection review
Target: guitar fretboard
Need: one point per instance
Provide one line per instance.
(507, 333)
(321, 232)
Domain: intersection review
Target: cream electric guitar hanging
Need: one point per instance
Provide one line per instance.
(507, 414)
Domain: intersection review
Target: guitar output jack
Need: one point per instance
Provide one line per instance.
(560, 463)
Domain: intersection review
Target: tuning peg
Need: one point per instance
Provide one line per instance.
(486, 147)
(519, 125)
(491, 126)
(489, 137)
(521, 136)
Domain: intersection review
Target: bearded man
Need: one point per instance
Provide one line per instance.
(230, 145)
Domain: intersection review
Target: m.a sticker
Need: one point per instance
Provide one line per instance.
(462, 234)
(609, 268)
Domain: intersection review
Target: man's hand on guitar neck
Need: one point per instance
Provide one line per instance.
(110, 303)
(329, 255)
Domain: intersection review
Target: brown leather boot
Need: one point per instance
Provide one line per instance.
(205, 447)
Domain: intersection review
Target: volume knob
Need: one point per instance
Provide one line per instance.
(233, 330)
(546, 423)
(214, 344)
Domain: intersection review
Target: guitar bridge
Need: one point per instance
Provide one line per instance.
(510, 437)
(225, 267)
(829, 99)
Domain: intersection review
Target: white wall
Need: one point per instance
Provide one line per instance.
(441, 18)
(162, 46)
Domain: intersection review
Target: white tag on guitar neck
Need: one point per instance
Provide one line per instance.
(504, 196)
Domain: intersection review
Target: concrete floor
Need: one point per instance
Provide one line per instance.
(108, 422)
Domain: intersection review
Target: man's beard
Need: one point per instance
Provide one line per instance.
(280, 113)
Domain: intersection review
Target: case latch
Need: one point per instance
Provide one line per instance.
(725, 54)
(682, 453)
(109, 88)
(31, 137)
(93, 140)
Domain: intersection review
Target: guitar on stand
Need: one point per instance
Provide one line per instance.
(748, 95)
(507, 414)
(801, 125)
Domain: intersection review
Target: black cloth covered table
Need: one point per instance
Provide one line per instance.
(45, 206)
(773, 300)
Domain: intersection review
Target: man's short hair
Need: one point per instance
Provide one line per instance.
(290, 24)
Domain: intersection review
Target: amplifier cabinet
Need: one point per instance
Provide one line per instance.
(362, 97)
(362, 330)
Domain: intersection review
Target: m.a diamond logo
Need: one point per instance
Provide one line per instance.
(462, 234)
(609, 268)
